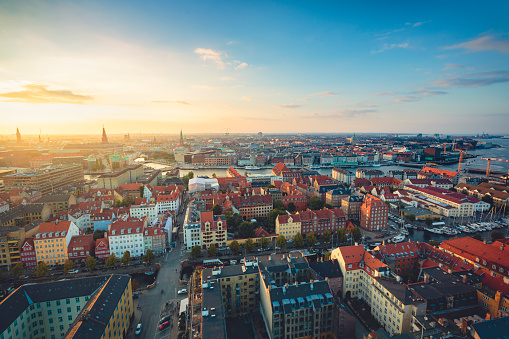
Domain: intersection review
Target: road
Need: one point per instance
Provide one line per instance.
(152, 301)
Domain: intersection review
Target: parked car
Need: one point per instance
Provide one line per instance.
(74, 271)
(164, 325)
(136, 296)
(165, 319)
(182, 291)
(138, 329)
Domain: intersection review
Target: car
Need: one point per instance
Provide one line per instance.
(23, 277)
(165, 319)
(182, 291)
(138, 329)
(74, 271)
(164, 325)
(136, 296)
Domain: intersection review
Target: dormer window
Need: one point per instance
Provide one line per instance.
(129, 230)
(113, 232)
(122, 231)
(146, 232)
(137, 229)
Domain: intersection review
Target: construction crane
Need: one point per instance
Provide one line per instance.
(461, 159)
(488, 168)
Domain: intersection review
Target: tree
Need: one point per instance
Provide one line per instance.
(271, 186)
(42, 269)
(68, 266)
(291, 207)
(90, 263)
(326, 236)
(329, 206)
(271, 219)
(495, 235)
(298, 240)
(98, 235)
(214, 175)
(310, 238)
(111, 260)
(281, 241)
(149, 256)
(233, 220)
(264, 242)
(356, 234)
(246, 230)
(478, 237)
(142, 190)
(126, 258)
(249, 245)
(341, 234)
(278, 205)
(434, 243)
(327, 255)
(212, 251)
(314, 203)
(235, 247)
(217, 210)
(17, 270)
(411, 217)
(187, 177)
(428, 221)
(195, 251)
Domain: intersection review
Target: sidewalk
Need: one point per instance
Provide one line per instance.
(137, 317)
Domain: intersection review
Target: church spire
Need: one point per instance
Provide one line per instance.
(18, 135)
(181, 138)
(105, 137)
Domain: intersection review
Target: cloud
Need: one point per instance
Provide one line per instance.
(230, 42)
(408, 98)
(420, 23)
(242, 65)
(170, 102)
(207, 54)
(386, 47)
(38, 93)
(474, 79)
(206, 87)
(385, 94)
(323, 94)
(485, 43)
(342, 113)
(453, 66)
(429, 92)
(287, 106)
(246, 98)
(227, 78)
(303, 99)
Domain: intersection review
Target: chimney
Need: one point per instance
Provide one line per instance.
(464, 279)
(484, 242)
(488, 316)
(426, 279)
(502, 246)
(464, 324)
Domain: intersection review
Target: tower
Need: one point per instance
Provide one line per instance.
(40, 139)
(181, 138)
(105, 137)
(18, 135)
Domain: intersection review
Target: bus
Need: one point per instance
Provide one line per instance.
(212, 263)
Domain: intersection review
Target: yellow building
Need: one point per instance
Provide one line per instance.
(52, 239)
(11, 240)
(58, 202)
(288, 225)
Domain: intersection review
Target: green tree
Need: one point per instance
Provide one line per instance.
(356, 234)
(249, 245)
(111, 260)
(149, 256)
(217, 210)
(291, 207)
(314, 203)
(271, 186)
(233, 220)
(17, 270)
(326, 236)
(98, 235)
(329, 206)
(311, 238)
(246, 230)
(214, 175)
(142, 190)
(271, 219)
(327, 255)
(428, 221)
(90, 263)
(42, 269)
(278, 205)
(195, 251)
(212, 251)
(187, 177)
(411, 217)
(478, 237)
(281, 241)
(434, 243)
(264, 242)
(341, 234)
(126, 258)
(298, 240)
(495, 235)
(68, 266)
(235, 247)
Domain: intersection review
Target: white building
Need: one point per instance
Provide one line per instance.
(81, 219)
(127, 236)
(202, 184)
(167, 202)
(139, 211)
(192, 227)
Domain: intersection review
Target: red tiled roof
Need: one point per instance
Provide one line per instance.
(438, 171)
(48, 227)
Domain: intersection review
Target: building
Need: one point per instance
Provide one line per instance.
(45, 181)
(499, 194)
(288, 225)
(402, 258)
(28, 256)
(155, 239)
(127, 236)
(351, 206)
(213, 230)
(102, 249)
(81, 247)
(150, 210)
(11, 240)
(334, 197)
(52, 241)
(442, 183)
(58, 202)
(374, 214)
(192, 226)
(253, 206)
(126, 175)
(342, 175)
(329, 271)
(22, 215)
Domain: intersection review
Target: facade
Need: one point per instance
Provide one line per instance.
(213, 230)
(156, 239)
(342, 175)
(102, 249)
(192, 227)
(11, 239)
(374, 214)
(52, 240)
(126, 236)
(253, 206)
(351, 206)
(58, 202)
(44, 181)
(144, 210)
(22, 215)
(81, 247)
(402, 258)
(335, 196)
(288, 225)
(126, 175)
(28, 257)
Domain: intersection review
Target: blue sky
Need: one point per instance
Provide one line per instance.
(287, 66)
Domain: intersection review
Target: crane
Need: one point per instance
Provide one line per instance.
(488, 168)
(461, 159)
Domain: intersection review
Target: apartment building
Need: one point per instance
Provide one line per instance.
(102, 249)
(308, 221)
(499, 194)
(132, 190)
(374, 214)
(342, 175)
(402, 258)
(281, 269)
(150, 210)
(288, 225)
(124, 176)
(11, 240)
(335, 196)
(351, 206)
(213, 230)
(22, 215)
(253, 206)
(169, 202)
(45, 180)
(127, 235)
(52, 241)
(437, 173)
(155, 239)
(81, 247)
(58, 202)
(28, 256)
(192, 226)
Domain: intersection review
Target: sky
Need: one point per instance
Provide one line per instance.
(254, 66)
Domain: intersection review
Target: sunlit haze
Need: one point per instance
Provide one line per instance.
(249, 66)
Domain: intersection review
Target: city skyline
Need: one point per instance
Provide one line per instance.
(243, 68)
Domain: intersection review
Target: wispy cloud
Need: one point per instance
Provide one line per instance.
(303, 99)
(288, 106)
(387, 47)
(342, 113)
(240, 66)
(246, 98)
(385, 94)
(408, 98)
(485, 43)
(39, 93)
(429, 92)
(453, 66)
(227, 78)
(170, 102)
(208, 54)
(323, 94)
(473, 79)
(230, 42)
(206, 87)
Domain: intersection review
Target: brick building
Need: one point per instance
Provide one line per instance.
(81, 247)
(102, 249)
(28, 257)
(374, 214)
